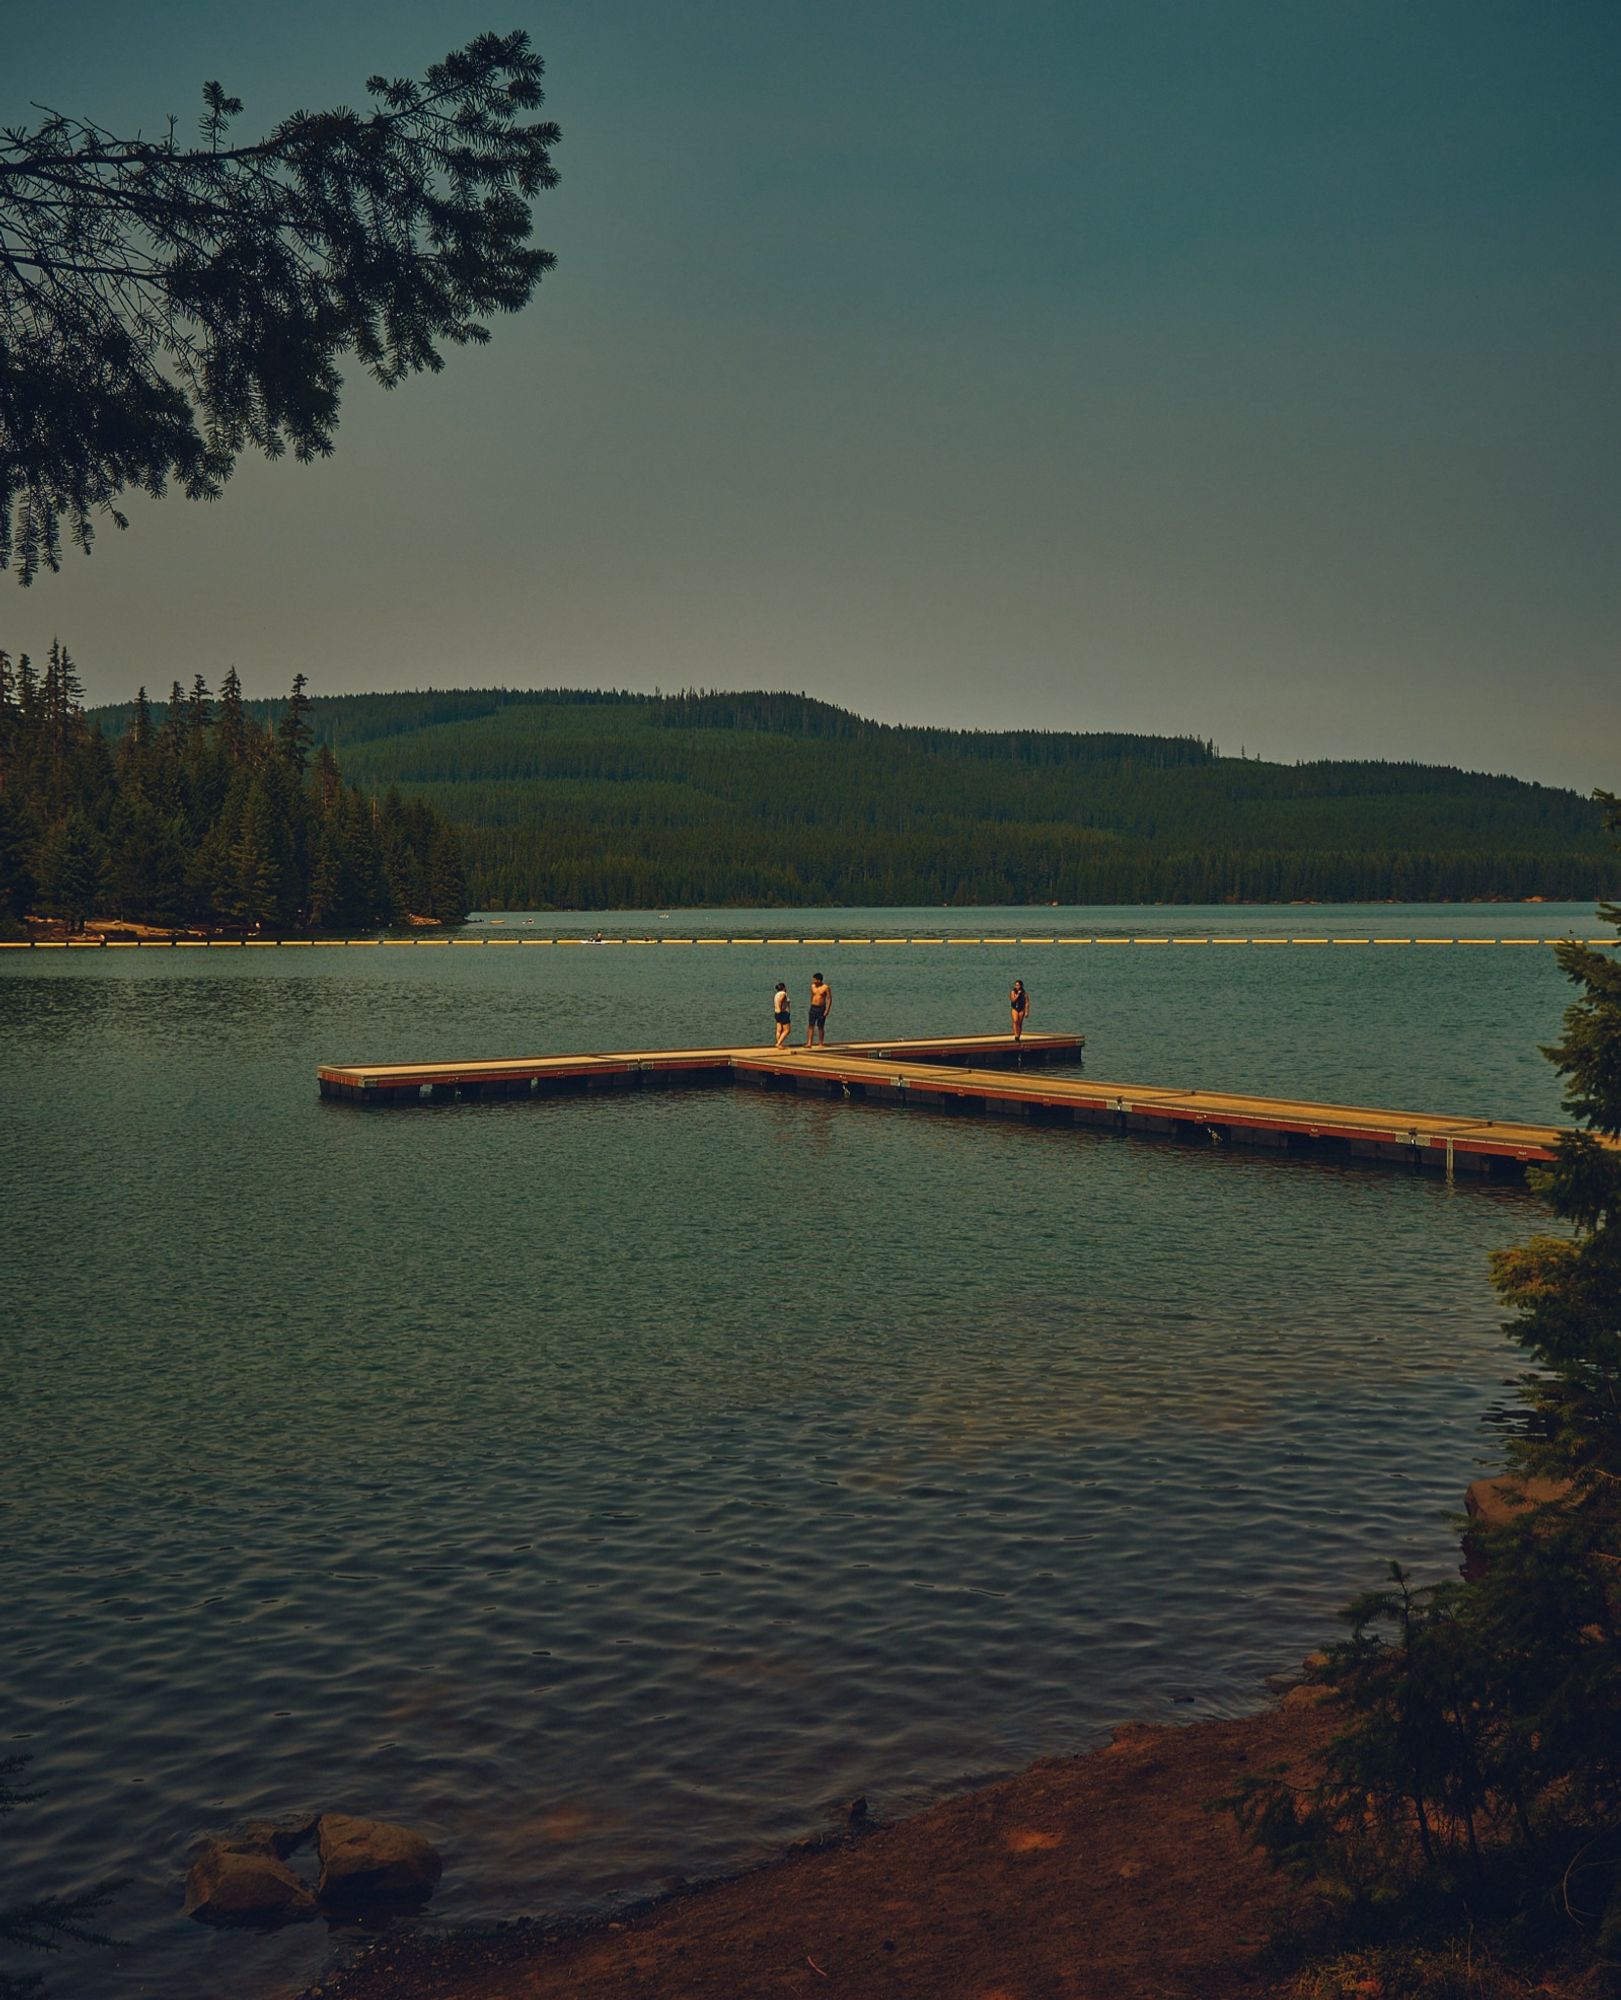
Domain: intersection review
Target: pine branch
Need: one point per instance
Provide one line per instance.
(163, 308)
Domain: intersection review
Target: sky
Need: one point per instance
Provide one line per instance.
(1239, 370)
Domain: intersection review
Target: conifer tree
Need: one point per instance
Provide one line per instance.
(373, 903)
(146, 877)
(174, 721)
(328, 780)
(1567, 1289)
(17, 884)
(295, 734)
(199, 707)
(164, 308)
(447, 884)
(399, 838)
(255, 886)
(1481, 1757)
(328, 887)
(27, 689)
(9, 725)
(230, 725)
(62, 692)
(73, 870)
(209, 879)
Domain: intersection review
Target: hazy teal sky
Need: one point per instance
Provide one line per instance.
(1243, 369)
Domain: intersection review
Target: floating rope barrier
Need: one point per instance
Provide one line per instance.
(757, 943)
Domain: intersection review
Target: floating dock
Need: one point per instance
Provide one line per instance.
(408, 1083)
(1203, 1117)
(988, 1075)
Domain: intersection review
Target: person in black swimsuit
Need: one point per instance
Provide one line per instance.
(1019, 1002)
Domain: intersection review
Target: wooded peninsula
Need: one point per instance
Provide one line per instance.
(211, 812)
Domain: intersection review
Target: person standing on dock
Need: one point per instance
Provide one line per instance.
(1019, 1002)
(781, 1012)
(821, 1005)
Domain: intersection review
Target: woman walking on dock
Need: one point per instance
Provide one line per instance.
(1019, 1002)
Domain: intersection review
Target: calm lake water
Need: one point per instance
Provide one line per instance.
(612, 1488)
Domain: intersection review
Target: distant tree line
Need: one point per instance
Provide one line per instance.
(341, 719)
(565, 868)
(203, 812)
(586, 799)
(801, 715)
(637, 801)
(359, 718)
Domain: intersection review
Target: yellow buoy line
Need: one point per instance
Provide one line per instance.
(772, 943)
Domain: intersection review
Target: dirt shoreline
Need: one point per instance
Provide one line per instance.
(1109, 1876)
(57, 930)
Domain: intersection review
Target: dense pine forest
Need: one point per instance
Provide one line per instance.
(211, 812)
(584, 800)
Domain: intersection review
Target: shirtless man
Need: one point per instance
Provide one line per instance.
(821, 1005)
(781, 1013)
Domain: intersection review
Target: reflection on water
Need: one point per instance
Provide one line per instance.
(608, 1486)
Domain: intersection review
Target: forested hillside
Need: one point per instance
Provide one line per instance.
(596, 801)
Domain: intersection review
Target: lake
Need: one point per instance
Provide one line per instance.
(612, 1488)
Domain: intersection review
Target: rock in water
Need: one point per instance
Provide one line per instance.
(280, 1837)
(235, 1885)
(368, 1860)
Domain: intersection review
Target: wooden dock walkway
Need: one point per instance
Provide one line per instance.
(989, 1075)
(403, 1083)
(1205, 1117)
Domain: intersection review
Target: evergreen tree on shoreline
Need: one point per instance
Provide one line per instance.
(1477, 1774)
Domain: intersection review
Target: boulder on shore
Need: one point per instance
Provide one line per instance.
(245, 1885)
(370, 1860)
(1494, 1503)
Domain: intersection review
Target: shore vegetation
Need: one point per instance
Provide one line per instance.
(1474, 1791)
(202, 813)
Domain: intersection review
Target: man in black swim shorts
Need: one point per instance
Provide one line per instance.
(821, 1003)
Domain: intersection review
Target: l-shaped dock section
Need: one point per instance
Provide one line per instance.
(990, 1075)
(523, 1076)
